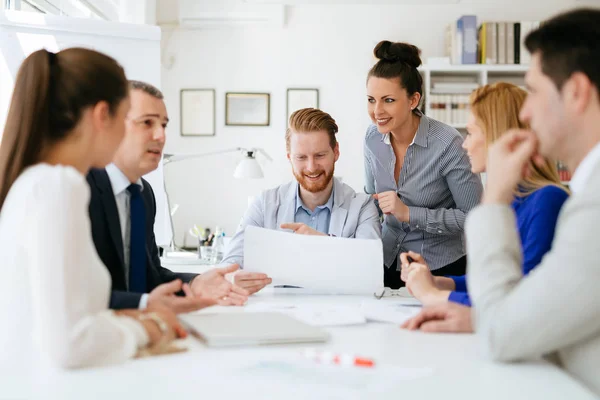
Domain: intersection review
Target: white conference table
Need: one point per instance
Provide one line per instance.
(419, 365)
(411, 365)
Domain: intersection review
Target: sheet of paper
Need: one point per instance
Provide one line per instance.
(326, 265)
(337, 382)
(389, 310)
(314, 314)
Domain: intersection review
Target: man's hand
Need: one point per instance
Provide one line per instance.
(448, 317)
(390, 204)
(420, 284)
(508, 163)
(252, 282)
(302, 229)
(163, 296)
(214, 285)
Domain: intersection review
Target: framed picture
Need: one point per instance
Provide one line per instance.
(197, 112)
(247, 109)
(301, 98)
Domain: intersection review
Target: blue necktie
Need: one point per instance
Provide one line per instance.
(137, 244)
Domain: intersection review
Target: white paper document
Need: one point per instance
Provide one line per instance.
(388, 310)
(314, 314)
(315, 381)
(322, 264)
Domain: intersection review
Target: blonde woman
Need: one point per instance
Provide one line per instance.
(537, 200)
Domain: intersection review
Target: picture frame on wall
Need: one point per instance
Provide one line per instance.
(298, 98)
(198, 112)
(247, 109)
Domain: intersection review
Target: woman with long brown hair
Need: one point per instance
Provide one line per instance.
(494, 109)
(67, 114)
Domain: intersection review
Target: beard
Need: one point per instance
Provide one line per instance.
(316, 186)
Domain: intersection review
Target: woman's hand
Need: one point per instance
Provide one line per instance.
(390, 204)
(161, 324)
(420, 283)
(406, 259)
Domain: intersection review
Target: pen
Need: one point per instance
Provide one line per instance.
(347, 360)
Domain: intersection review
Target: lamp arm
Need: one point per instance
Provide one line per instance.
(264, 153)
(169, 158)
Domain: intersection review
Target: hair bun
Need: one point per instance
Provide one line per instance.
(398, 52)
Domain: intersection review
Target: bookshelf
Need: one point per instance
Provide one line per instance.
(469, 76)
(447, 87)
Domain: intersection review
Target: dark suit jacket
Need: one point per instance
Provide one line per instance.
(106, 231)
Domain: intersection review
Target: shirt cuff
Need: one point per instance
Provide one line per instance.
(418, 217)
(460, 298)
(460, 283)
(143, 301)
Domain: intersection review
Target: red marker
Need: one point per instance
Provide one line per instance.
(327, 357)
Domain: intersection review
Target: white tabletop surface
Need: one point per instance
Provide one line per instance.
(450, 367)
(184, 261)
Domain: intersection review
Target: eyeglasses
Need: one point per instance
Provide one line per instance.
(387, 292)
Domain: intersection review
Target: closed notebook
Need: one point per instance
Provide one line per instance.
(250, 329)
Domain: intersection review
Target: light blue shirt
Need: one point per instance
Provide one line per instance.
(347, 215)
(318, 219)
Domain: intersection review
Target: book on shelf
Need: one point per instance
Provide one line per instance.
(453, 87)
(461, 40)
(492, 42)
(504, 42)
(451, 109)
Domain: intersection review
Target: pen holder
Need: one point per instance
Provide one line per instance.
(205, 253)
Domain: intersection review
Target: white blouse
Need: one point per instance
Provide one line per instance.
(55, 290)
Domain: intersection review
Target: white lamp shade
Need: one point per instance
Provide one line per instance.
(248, 168)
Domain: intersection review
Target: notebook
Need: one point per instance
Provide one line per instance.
(249, 329)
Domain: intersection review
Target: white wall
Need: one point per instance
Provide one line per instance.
(324, 47)
(135, 47)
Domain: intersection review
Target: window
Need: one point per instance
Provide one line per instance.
(97, 9)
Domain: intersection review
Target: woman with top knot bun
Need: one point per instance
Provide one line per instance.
(416, 169)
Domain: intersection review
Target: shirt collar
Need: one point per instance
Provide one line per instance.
(118, 180)
(584, 171)
(300, 203)
(420, 137)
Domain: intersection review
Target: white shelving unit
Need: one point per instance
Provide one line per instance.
(481, 74)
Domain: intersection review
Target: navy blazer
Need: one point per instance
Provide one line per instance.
(106, 232)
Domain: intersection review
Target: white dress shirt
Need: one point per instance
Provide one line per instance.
(53, 306)
(120, 183)
(585, 169)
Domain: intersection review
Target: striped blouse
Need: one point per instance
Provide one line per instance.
(437, 185)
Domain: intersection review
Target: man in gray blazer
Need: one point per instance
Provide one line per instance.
(554, 311)
(315, 203)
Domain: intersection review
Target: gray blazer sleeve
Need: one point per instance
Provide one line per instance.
(254, 216)
(565, 313)
(466, 189)
(369, 224)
